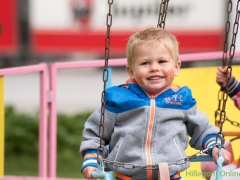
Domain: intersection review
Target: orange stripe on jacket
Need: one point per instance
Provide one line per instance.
(123, 177)
(92, 155)
(211, 139)
(177, 175)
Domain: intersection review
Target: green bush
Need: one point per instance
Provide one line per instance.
(21, 132)
(69, 133)
(21, 143)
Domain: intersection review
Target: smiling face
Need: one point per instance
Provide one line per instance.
(153, 67)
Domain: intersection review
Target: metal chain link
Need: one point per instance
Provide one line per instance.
(234, 123)
(224, 60)
(152, 167)
(227, 29)
(162, 13)
(185, 160)
(105, 79)
(220, 114)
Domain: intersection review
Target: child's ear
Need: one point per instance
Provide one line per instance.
(177, 68)
(130, 71)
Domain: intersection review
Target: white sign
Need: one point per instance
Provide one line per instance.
(127, 14)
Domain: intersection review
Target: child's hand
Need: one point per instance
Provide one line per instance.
(87, 172)
(221, 76)
(226, 155)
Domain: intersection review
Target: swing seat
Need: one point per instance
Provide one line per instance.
(210, 166)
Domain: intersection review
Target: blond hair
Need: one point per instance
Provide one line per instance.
(152, 36)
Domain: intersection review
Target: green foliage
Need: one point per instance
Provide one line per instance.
(69, 132)
(21, 142)
(21, 132)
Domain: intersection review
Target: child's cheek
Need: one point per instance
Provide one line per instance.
(170, 74)
(139, 78)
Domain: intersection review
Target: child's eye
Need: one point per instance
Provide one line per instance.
(144, 63)
(161, 61)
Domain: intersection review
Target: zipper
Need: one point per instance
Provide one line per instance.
(149, 135)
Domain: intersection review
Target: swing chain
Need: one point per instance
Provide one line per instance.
(220, 114)
(227, 29)
(162, 13)
(152, 167)
(234, 123)
(129, 165)
(222, 97)
(187, 159)
(105, 79)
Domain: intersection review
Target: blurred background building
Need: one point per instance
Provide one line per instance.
(33, 31)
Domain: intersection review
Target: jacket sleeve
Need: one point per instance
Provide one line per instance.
(234, 92)
(91, 140)
(197, 123)
(198, 127)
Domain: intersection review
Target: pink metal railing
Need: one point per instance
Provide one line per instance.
(42, 70)
(47, 167)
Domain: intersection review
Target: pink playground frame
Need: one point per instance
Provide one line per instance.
(47, 165)
(42, 69)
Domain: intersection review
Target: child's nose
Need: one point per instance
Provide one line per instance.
(154, 67)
